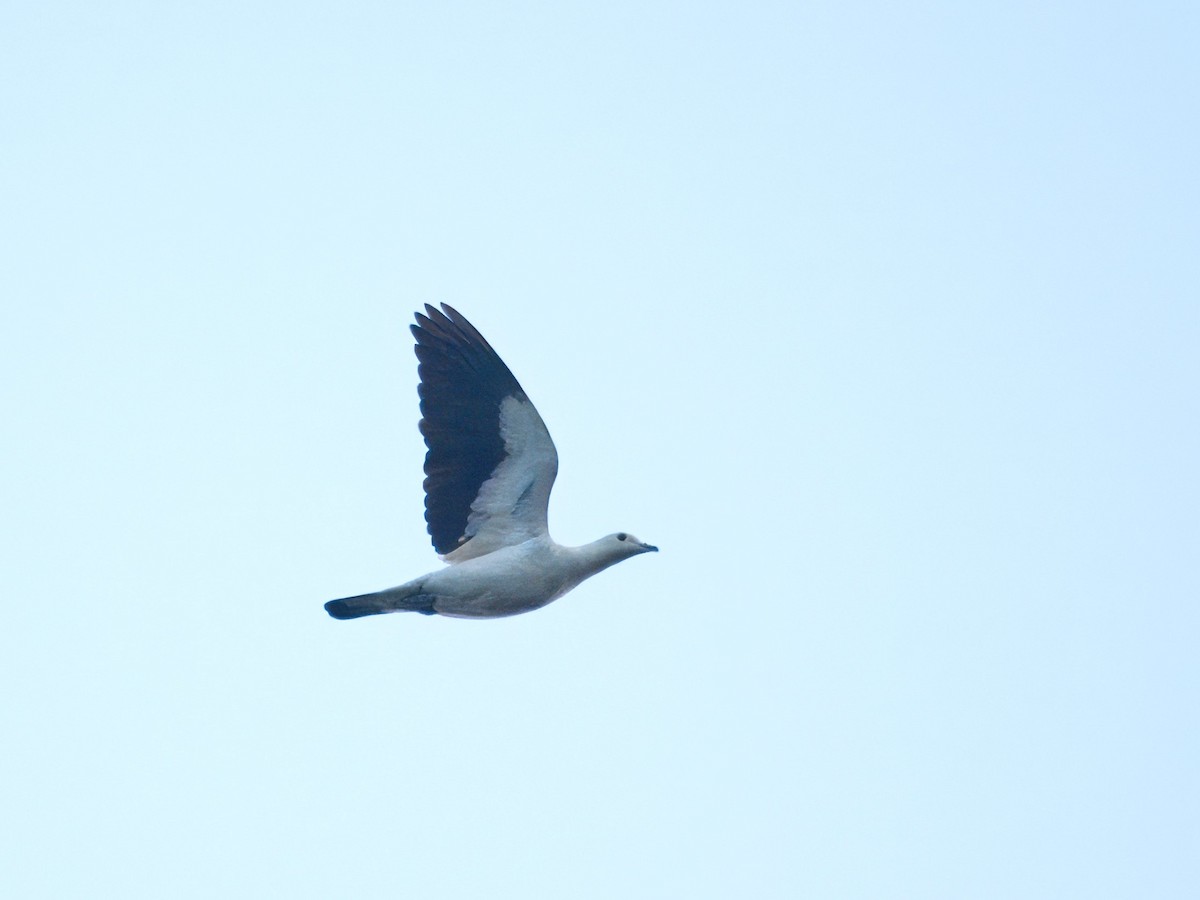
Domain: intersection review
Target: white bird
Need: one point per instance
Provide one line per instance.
(489, 471)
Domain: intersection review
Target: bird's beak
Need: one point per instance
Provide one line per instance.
(649, 548)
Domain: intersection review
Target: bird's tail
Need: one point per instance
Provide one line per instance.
(406, 598)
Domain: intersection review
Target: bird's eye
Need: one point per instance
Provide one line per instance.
(622, 536)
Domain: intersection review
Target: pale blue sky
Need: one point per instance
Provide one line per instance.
(881, 320)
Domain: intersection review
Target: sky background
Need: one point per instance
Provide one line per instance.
(881, 320)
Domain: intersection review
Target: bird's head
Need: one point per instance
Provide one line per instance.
(623, 545)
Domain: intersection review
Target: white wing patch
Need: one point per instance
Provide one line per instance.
(510, 507)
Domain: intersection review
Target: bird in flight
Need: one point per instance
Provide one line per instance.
(488, 474)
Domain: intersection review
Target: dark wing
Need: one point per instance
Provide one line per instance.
(491, 463)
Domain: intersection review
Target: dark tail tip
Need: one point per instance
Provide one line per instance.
(340, 609)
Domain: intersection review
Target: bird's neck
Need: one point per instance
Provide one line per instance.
(595, 557)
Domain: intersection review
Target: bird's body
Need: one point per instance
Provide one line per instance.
(505, 582)
(489, 471)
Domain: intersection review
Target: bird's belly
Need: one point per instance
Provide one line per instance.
(493, 604)
(504, 588)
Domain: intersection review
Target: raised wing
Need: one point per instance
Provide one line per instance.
(491, 463)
